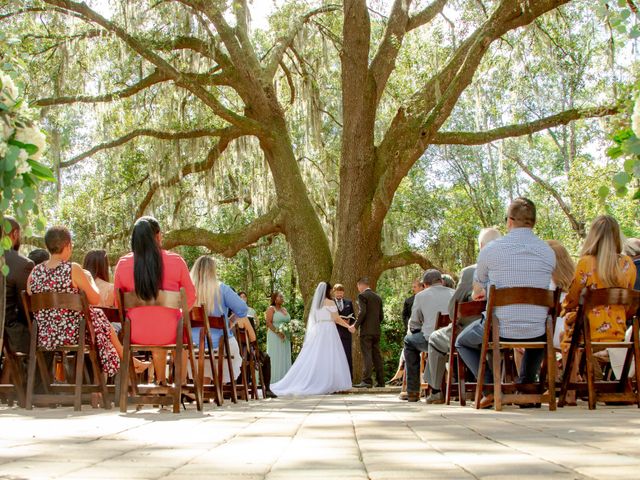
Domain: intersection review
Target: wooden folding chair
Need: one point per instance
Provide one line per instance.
(63, 393)
(442, 320)
(16, 389)
(606, 390)
(215, 354)
(518, 296)
(461, 310)
(157, 395)
(249, 387)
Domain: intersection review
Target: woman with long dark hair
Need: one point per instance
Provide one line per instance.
(321, 367)
(147, 270)
(96, 263)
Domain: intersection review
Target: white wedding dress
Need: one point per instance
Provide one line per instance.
(321, 367)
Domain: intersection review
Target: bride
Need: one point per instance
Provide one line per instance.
(321, 366)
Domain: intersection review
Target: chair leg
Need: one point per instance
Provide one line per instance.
(551, 368)
(31, 374)
(497, 370)
(588, 354)
(462, 389)
(124, 367)
(636, 355)
(482, 367)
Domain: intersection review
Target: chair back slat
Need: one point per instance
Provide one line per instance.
(197, 318)
(46, 300)
(442, 320)
(611, 296)
(522, 296)
(165, 299)
(470, 309)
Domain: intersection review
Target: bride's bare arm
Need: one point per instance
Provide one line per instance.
(336, 318)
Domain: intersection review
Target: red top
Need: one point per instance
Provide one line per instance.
(156, 325)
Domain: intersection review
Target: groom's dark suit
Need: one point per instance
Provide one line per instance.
(345, 308)
(370, 317)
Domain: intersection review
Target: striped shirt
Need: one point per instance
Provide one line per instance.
(519, 259)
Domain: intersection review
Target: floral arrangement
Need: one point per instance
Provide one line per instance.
(22, 145)
(292, 328)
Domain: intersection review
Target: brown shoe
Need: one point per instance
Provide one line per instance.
(486, 401)
(403, 396)
(413, 396)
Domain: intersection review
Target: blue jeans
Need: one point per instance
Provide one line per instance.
(414, 343)
(469, 344)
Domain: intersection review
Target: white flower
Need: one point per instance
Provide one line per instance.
(32, 136)
(7, 130)
(8, 90)
(3, 148)
(21, 163)
(635, 118)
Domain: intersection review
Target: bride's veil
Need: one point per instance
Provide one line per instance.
(316, 305)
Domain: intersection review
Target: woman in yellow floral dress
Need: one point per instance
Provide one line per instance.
(601, 265)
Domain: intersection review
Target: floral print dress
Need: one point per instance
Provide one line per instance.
(608, 322)
(58, 326)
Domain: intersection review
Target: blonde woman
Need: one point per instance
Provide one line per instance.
(218, 299)
(601, 265)
(561, 278)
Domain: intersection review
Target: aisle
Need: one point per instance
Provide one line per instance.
(370, 436)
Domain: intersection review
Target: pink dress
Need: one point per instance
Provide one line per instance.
(156, 325)
(58, 326)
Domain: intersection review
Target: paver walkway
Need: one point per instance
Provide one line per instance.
(373, 436)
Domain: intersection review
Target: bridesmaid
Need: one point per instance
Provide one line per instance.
(278, 344)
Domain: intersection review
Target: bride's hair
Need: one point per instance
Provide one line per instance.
(327, 292)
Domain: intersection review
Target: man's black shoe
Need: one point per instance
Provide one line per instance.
(363, 385)
(380, 385)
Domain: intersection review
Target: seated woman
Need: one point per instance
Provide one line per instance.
(96, 263)
(601, 265)
(218, 299)
(147, 270)
(57, 327)
(561, 278)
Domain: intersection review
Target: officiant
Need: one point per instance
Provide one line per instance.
(345, 310)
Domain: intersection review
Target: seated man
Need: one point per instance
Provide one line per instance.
(426, 306)
(15, 323)
(519, 259)
(440, 340)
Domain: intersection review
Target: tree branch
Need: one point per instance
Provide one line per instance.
(275, 57)
(146, 82)
(145, 132)
(414, 126)
(226, 137)
(385, 59)
(387, 262)
(577, 226)
(230, 243)
(517, 130)
(425, 15)
(162, 65)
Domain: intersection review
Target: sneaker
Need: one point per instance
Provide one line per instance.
(435, 398)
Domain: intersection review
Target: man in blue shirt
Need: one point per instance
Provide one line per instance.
(519, 259)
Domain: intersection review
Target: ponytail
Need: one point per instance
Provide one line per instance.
(147, 258)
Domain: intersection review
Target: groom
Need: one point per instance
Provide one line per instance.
(369, 319)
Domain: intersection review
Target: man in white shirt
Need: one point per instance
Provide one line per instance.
(426, 306)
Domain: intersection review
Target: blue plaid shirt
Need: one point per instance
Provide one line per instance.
(519, 259)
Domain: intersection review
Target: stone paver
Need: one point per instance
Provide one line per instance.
(359, 437)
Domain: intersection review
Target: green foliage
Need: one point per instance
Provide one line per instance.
(22, 144)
